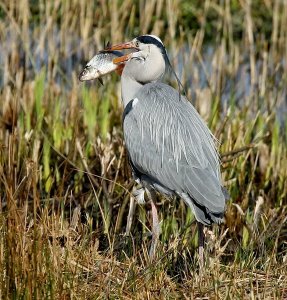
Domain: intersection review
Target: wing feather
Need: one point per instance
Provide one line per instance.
(168, 141)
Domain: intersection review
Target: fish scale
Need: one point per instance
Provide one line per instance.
(101, 64)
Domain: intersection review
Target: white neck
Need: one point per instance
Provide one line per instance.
(129, 88)
(146, 66)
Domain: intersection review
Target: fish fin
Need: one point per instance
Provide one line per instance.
(108, 45)
(120, 68)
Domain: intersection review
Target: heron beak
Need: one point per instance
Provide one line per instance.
(128, 45)
(124, 58)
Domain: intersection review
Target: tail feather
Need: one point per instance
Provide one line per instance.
(201, 213)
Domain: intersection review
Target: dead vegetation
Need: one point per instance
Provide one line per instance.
(69, 226)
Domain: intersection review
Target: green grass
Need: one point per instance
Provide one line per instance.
(69, 226)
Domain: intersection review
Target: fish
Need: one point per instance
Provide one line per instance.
(101, 64)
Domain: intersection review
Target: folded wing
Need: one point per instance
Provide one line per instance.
(169, 143)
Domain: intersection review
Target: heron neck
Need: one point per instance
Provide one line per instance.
(129, 88)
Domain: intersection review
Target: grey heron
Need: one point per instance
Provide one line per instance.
(171, 150)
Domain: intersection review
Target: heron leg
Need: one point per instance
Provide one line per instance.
(200, 245)
(155, 223)
(130, 216)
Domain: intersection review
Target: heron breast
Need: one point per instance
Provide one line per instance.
(129, 107)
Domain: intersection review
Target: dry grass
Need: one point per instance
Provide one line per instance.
(65, 186)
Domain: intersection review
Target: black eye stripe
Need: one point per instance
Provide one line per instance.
(146, 39)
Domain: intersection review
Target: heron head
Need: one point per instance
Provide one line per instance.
(146, 62)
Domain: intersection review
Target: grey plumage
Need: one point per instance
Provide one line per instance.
(172, 149)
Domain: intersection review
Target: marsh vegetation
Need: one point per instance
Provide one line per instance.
(69, 226)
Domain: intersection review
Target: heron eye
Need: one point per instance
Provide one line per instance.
(137, 44)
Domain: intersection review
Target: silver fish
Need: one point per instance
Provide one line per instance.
(101, 64)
